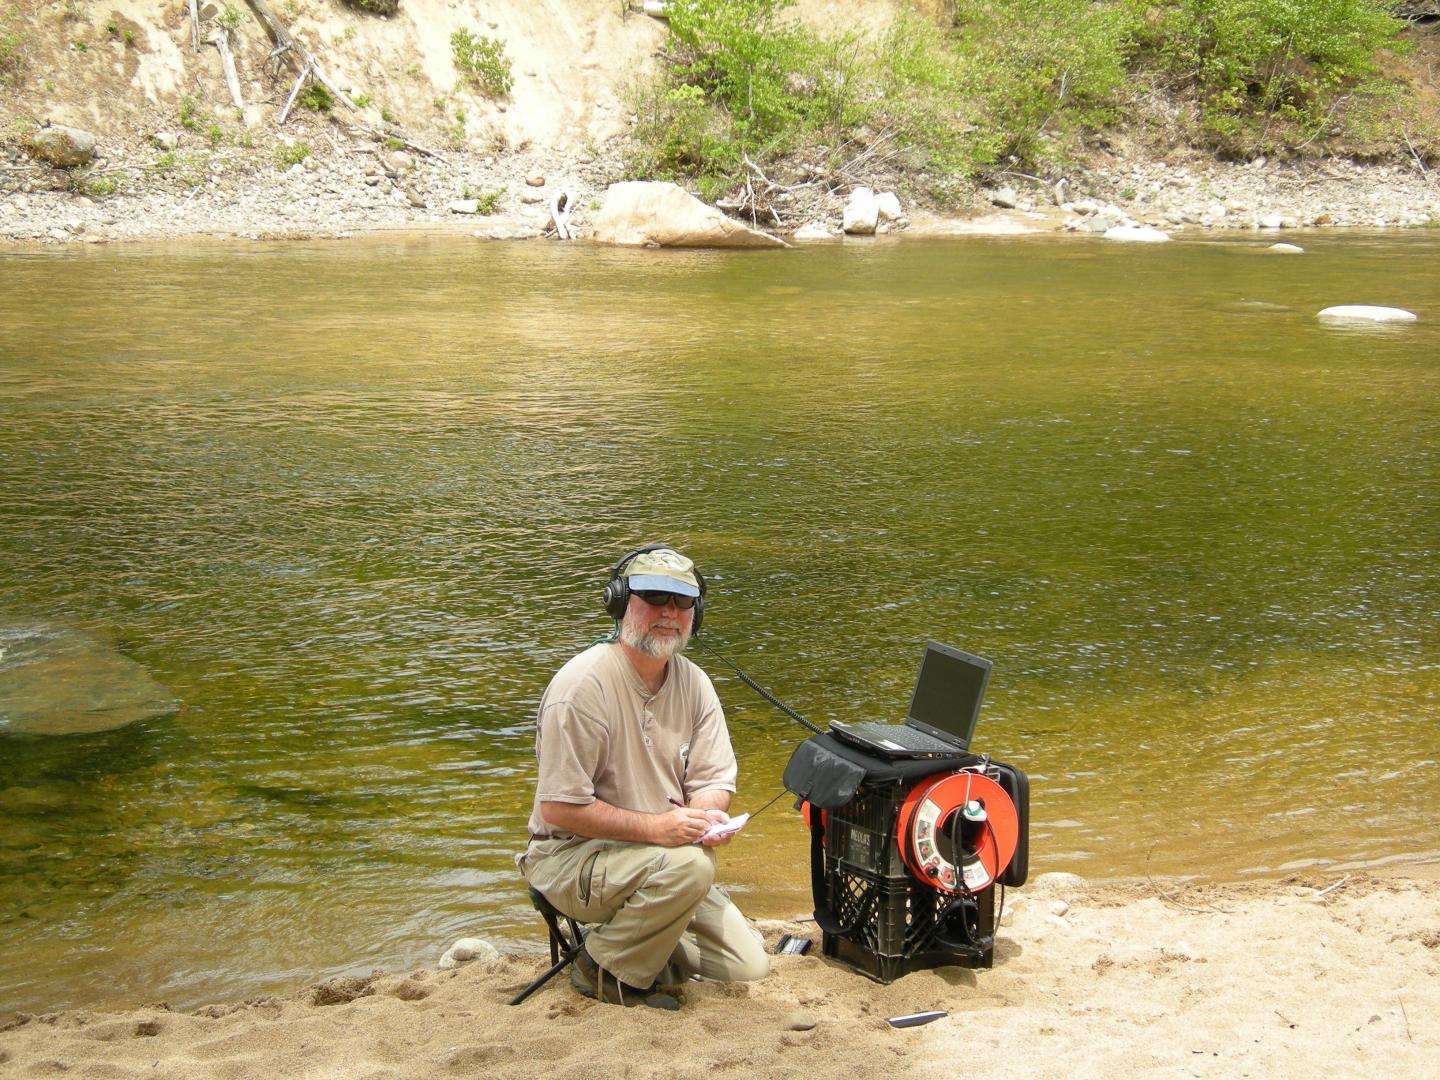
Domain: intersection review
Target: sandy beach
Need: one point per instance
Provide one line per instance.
(1336, 975)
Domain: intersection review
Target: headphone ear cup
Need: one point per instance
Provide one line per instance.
(617, 598)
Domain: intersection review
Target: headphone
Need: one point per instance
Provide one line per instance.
(617, 589)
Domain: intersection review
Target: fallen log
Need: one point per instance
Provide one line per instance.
(221, 40)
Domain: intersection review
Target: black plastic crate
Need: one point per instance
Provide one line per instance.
(898, 924)
(903, 925)
(861, 834)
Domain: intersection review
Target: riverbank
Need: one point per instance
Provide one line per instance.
(358, 185)
(1298, 976)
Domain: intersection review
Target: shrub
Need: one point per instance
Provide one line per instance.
(317, 97)
(483, 61)
(376, 7)
(291, 155)
(1257, 62)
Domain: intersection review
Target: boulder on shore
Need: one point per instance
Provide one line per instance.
(812, 232)
(62, 146)
(862, 213)
(646, 213)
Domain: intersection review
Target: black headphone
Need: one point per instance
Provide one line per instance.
(617, 589)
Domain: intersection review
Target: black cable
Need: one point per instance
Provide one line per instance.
(771, 698)
(756, 813)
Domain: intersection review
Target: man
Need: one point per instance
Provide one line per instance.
(635, 765)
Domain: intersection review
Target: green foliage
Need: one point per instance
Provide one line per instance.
(997, 83)
(487, 202)
(129, 38)
(217, 134)
(189, 119)
(1030, 72)
(482, 60)
(287, 156)
(97, 187)
(1257, 64)
(375, 7)
(317, 97)
(363, 101)
(112, 28)
(230, 18)
(386, 115)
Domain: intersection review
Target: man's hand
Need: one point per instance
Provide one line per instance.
(680, 826)
(716, 817)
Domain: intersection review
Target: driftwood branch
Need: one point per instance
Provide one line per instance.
(195, 25)
(297, 55)
(221, 40)
(398, 136)
(295, 92)
(560, 207)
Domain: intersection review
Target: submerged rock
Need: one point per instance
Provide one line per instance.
(58, 681)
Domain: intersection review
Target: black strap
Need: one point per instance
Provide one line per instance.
(825, 916)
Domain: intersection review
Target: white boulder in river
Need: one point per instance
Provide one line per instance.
(58, 681)
(645, 213)
(1136, 234)
(1366, 313)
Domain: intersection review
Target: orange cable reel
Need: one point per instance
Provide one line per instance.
(959, 832)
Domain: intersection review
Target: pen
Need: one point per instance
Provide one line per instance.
(678, 803)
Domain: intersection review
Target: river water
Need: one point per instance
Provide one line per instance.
(351, 503)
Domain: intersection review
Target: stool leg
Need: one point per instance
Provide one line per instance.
(563, 951)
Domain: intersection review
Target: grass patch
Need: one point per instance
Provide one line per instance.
(482, 61)
(12, 48)
(287, 156)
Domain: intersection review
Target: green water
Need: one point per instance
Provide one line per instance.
(352, 503)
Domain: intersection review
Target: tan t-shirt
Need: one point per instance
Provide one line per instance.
(600, 735)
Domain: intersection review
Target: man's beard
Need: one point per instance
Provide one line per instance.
(647, 643)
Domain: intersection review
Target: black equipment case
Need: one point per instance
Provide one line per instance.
(876, 917)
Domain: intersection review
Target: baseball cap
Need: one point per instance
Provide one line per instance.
(664, 569)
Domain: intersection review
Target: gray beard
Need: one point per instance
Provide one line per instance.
(650, 645)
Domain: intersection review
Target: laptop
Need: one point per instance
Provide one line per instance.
(943, 710)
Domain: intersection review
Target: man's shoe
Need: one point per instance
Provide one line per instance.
(588, 978)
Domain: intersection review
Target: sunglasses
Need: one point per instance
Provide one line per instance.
(659, 598)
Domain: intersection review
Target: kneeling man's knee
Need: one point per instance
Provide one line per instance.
(693, 866)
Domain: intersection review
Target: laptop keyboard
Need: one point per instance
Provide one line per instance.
(901, 735)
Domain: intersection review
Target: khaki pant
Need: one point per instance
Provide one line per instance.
(651, 906)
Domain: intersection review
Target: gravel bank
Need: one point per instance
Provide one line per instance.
(361, 186)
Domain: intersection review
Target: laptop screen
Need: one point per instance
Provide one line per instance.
(948, 693)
